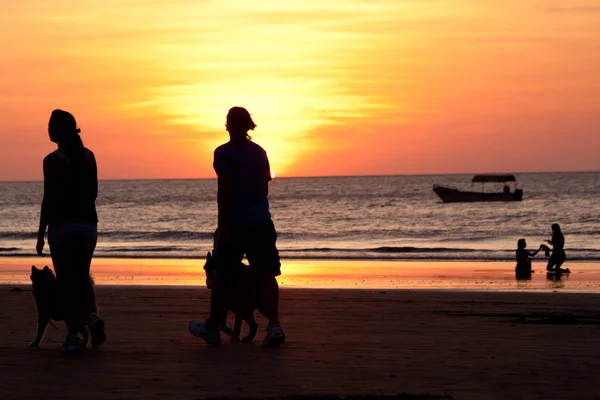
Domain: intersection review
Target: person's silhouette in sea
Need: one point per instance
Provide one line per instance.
(523, 269)
(69, 213)
(244, 227)
(558, 256)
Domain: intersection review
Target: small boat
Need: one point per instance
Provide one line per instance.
(452, 195)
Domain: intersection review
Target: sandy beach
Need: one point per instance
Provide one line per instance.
(464, 345)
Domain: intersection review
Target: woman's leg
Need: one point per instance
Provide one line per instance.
(81, 252)
(89, 238)
(551, 263)
(72, 247)
(560, 259)
(87, 311)
(62, 241)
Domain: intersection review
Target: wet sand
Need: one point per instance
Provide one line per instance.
(467, 345)
(335, 274)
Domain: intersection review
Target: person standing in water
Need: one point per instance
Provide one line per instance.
(69, 213)
(523, 268)
(244, 227)
(558, 256)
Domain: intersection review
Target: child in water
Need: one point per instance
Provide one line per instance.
(524, 258)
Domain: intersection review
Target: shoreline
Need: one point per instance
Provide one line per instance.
(312, 258)
(383, 291)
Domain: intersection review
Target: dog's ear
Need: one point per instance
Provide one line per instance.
(34, 269)
(46, 268)
(208, 256)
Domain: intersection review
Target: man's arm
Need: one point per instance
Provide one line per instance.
(222, 166)
(268, 176)
(224, 198)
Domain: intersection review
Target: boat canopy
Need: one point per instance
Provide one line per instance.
(494, 178)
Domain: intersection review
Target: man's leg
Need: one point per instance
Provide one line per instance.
(269, 288)
(263, 256)
(219, 303)
(225, 255)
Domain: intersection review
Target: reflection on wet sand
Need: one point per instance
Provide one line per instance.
(339, 274)
(556, 280)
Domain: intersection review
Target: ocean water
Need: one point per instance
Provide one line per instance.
(381, 217)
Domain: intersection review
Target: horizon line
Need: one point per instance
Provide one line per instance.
(330, 176)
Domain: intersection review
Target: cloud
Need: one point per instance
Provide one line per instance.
(570, 7)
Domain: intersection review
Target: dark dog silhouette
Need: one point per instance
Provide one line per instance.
(45, 293)
(242, 297)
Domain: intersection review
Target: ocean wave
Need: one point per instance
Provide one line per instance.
(187, 236)
(7, 249)
(18, 235)
(149, 249)
(390, 249)
(409, 249)
(177, 235)
(175, 252)
(157, 236)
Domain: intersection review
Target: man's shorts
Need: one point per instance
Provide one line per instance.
(259, 246)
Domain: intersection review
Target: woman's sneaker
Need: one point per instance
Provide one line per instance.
(275, 336)
(72, 343)
(96, 325)
(201, 330)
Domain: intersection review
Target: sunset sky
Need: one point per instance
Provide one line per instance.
(338, 87)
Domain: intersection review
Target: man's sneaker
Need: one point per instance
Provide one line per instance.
(275, 336)
(202, 331)
(72, 343)
(96, 325)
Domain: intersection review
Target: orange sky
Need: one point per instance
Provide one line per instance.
(339, 87)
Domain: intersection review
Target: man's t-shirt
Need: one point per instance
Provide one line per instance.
(249, 167)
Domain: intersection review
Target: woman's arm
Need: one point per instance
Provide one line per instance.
(44, 209)
(94, 176)
(534, 253)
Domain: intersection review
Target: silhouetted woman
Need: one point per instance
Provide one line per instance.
(69, 213)
(523, 268)
(244, 227)
(558, 256)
